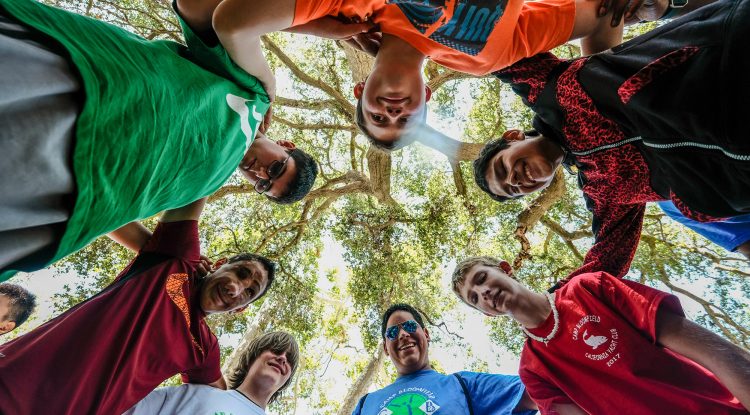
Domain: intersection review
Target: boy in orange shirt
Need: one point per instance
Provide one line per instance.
(473, 36)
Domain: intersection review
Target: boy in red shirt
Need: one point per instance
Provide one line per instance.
(472, 36)
(604, 345)
(108, 352)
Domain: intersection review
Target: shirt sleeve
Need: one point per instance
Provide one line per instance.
(542, 26)
(494, 393)
(528, 77)
(617, 230)
(544, 393)
(636, 303)
(729, 233)
(307, 10)
(210, 370)
(176, 239)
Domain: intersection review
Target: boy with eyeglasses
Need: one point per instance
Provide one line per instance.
(421, 390)
(605, 345)
(101, 128)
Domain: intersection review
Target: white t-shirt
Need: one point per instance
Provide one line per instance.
(195, 399)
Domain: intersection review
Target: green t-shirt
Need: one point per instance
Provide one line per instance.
(162, 125)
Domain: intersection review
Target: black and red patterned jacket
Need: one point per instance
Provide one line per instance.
(643, 123)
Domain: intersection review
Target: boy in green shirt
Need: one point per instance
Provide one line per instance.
(102, 127)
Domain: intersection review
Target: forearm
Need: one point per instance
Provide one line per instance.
(132, 236)
(188, 212)
(744, 249)
(568, 409)
(730, 363)
(596, 33)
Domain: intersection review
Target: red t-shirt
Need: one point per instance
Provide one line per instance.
(605, 359)
(471, 36)
(107, 353)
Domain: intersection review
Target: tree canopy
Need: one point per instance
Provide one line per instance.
(399, 221)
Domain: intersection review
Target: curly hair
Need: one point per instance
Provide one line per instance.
(277, 342)
(22, 302)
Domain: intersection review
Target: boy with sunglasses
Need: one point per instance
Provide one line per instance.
(660, 117)
(421, 390)
(605, 345)
(101, 128)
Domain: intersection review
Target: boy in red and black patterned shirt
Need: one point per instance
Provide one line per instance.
(660, 117)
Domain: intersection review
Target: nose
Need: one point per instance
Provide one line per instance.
(486, 294)
(393, 110)
(261, 172)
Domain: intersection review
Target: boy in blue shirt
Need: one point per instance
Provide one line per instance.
(421, 390)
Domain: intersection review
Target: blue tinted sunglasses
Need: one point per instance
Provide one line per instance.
(409, 326)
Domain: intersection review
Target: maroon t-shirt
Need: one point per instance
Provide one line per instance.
(107, 353)
(605, 359)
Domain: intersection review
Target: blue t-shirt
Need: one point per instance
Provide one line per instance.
(729, 233)
(428, 392)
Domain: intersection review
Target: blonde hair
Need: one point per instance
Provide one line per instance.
(462, 268)
(277, 342)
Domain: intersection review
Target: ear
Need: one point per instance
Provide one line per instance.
(427, 93)
(286, 144)
(505, 266)
(514, 135)
(219, 262)
(239, 310)
(7, 326)
(358, 89)
(426, 334)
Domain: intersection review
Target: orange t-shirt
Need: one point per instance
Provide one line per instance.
(472, 36)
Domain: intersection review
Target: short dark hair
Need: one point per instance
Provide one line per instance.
(278, 342)
(393, 145)
(22, 302)
(300, 185)
(400, 307)
(482, 162)
(269, 265)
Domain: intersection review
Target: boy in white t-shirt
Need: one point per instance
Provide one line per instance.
(266, 369)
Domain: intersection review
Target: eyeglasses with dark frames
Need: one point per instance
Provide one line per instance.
(274, 171)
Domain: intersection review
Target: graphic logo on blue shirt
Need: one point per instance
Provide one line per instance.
(410, 404)
(467, 30)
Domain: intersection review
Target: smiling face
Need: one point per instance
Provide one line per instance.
(233, 286)
(271, 370)
(491, 291)
(392, 104)
(261, 155)
(409, 351)
(527, 165)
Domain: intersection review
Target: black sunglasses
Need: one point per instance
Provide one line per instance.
(274, 171)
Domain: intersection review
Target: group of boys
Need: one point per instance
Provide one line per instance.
(89, 154)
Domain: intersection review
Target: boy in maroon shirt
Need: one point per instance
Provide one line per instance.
(604, 345)
(659, 117)
(108, 352)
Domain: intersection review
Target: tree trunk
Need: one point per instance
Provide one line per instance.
(262, 319)
(363, 382)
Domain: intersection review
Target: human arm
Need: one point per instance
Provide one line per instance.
(239, 24)
(730, 363)
(744, 249)
(595, 31)
(359, 35)
(220, 383)
(617, 230)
